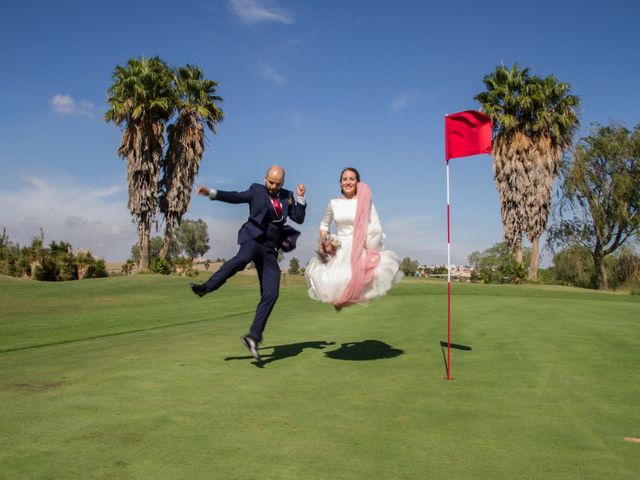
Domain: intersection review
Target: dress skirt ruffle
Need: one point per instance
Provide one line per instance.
(327, 281)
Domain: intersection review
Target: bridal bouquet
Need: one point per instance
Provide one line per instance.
(327, 248)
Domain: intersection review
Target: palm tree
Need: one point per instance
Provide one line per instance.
(197, 106)
(508, 101)
(141, 100)
(554, 124)
(534, 121)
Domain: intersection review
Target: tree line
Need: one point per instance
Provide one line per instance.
(53, 262)
(190, 240)
(572, 266)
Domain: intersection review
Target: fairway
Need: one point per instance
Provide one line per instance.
(137, 378)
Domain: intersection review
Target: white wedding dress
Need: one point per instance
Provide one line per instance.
(327, 281)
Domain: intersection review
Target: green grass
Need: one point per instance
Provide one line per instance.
(136, 378)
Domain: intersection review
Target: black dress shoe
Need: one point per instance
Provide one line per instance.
(198, 289)
(252, 345)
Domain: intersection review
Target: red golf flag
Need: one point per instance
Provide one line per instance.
(467, 133)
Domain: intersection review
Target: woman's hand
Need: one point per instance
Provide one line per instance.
(323, 235)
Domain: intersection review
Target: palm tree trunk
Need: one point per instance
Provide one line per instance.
(535, 256)
(517, 252)
(166, 243)
(144, 245)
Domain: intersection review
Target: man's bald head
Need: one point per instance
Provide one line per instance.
(274, 179)
(276, 171)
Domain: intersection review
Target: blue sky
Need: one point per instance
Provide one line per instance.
(311, 85)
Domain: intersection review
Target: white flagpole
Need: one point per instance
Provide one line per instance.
(448, 279)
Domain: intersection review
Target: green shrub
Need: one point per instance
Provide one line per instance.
(97, 269)
(162, 266)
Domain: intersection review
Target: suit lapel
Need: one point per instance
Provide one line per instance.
(261, 207)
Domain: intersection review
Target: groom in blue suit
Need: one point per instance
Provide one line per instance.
(260, 238)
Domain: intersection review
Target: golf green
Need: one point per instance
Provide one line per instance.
(137, 378)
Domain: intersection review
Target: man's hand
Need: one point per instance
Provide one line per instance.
(203, 191)
(300, 190)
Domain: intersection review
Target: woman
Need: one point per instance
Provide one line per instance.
(352, 266)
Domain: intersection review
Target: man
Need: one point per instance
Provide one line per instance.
(260, 238)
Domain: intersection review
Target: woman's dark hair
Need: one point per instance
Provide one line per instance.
(349, 169)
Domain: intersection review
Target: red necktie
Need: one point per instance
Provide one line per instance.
(277, 207)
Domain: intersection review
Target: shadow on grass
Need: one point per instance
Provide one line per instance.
(455, 346)
(365, 350)
(280, 352)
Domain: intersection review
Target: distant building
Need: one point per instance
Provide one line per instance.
(458, 272)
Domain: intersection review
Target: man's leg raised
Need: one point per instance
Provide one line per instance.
(229, 269)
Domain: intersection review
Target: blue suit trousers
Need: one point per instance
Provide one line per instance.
(266, 261)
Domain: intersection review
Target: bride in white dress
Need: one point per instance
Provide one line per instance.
(330, 278)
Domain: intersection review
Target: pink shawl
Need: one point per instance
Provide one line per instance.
(362, 266)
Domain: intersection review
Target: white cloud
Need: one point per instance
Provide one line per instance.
(271, 73)
(87, 216)
(75, 222)
(258, 11)
(96, 218)
(403, 101)
(62, 104)
(399, 103)
(415, 236)
(66, 105)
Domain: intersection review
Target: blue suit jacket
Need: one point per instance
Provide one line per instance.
(261, 214)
